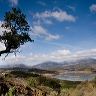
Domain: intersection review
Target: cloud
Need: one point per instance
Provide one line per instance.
(58, 15)
(60, 54)
(32, 59)
(93, 8)
(2, 47)
(2, 29)
(52, 37)
(65, 54)
(86, 53)
(46, 17)
(39, 31)
(13, 2)
(57, 56)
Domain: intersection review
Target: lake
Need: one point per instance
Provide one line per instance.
(71, 76)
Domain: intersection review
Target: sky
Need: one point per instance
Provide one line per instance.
(62, 30)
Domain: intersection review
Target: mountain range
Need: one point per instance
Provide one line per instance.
(87, 63)
(81, 64)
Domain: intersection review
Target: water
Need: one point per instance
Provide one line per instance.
(76, 76)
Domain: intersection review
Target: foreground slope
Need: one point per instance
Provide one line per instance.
(20, 83)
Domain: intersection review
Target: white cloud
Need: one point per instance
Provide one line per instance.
(93, 8)
(39, 31)
(2, 29)
(58, 56)
(59, 15)
(2, 47)
(14, 2)
(86, 53)
(52, 37)
(32, 59)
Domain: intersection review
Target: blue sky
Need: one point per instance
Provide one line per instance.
(62, 28)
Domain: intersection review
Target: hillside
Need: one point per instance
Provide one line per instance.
(81, 64)
(20, 83)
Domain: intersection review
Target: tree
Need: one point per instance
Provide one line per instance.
(17, 31)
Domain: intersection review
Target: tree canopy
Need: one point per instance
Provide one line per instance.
(17, 31)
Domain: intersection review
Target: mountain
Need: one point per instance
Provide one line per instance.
(12, 66)
(68, 65)
(47, 65)
(82, 64)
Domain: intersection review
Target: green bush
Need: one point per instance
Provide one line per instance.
(69, 84)
(11, 92)
(33, 81)
(23, 74)
(52, 83)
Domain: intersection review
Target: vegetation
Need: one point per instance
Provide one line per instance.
(16, 31)
(16, 83)
(36, 80)
(69, 84)
(11, 92)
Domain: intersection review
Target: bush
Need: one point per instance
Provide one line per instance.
(33, 82)
(11, 92)
(69, 84)
(23, 74)
(52, 83)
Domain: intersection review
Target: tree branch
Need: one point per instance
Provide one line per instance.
(4, 51)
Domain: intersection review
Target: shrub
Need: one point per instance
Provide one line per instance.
(11, 92)
(33, 82)
(52, 83)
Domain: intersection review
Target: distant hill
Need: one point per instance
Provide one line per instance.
(47, 65)
(68, 65)
(81, 64)
(14, 66)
